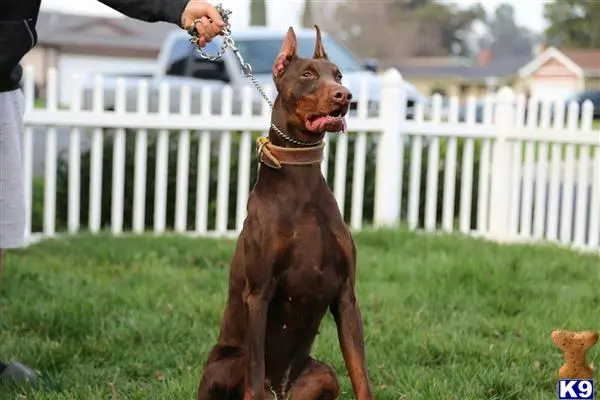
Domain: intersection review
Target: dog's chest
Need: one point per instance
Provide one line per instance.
(317, 265)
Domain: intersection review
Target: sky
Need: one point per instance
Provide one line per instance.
(283, 13)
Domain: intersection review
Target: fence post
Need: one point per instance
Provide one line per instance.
(500, 166)
(389, 162)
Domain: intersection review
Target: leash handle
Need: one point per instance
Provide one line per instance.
(225, 31)
(228, 42)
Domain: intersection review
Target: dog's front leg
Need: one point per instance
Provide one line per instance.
(350, 334)
(257, 305)
(260, 287)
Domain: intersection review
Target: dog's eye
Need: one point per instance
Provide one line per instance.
(338, 77)
(307, 74)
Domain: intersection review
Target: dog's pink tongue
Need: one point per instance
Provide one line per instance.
(316, 124)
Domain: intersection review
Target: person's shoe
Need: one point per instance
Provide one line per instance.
(17, 372)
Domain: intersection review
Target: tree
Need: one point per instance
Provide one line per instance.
(308, 19)
(449, 23)
(504, 36)
(258, 13)
(573, 23)
(396, 29)
(365, 27)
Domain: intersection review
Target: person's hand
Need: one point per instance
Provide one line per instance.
(210, 22)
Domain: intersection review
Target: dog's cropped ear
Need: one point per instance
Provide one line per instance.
(286, 54)
(319, 50)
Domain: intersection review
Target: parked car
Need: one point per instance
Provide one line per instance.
(580, 98)
(179, 64)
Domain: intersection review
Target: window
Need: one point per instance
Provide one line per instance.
(185, 61)
(581, 98)
(439, 90)
(178, 58)
(261, 53)
(201, 68)
(595, 98)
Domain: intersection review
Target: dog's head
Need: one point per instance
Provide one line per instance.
(310, 89)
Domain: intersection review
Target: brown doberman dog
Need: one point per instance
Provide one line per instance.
(295, 257)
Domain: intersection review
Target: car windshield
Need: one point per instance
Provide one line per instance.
(261, 53)
(583, 96)
(572, 97)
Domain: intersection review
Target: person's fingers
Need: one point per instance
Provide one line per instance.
(211, 28)
(205, 30)
(211, 31)
(214, 15)
(215, 29)
(200, 8)
(208, 39)
(204, 27)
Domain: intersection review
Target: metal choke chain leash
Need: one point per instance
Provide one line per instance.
(228, 42)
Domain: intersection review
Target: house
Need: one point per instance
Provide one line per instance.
(86, 44)
(464, 77)
(559, 73)
(550, 73)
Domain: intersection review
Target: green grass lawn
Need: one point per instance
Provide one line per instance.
(445, 317)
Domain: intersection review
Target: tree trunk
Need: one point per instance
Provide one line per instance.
(307, 16)
(258, 13)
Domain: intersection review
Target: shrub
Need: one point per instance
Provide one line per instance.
(369, 183)
(37, 204)
(107, 176)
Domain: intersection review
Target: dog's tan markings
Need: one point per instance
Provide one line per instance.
(574, 345)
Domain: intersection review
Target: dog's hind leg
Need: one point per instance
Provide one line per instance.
(223, 377)
(316, 382)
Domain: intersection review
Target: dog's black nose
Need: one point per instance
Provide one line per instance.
(342, 95)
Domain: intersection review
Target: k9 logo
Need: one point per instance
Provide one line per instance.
(575, 389)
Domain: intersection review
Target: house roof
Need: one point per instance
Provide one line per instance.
(579, 61)
(587, 59)
(497, 68)
(543, 57)
(58, 29)
(434, 61)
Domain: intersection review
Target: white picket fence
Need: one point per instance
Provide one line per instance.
(520, 175)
